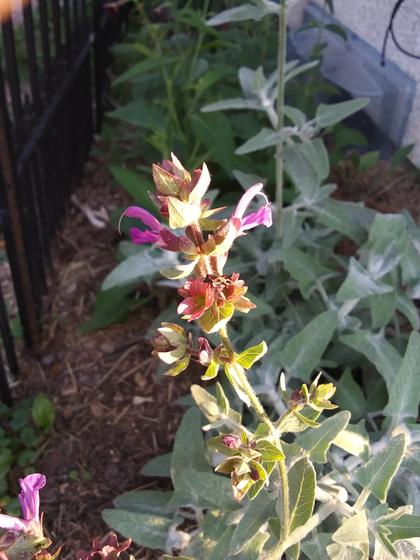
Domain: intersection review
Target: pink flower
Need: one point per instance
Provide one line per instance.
(198, 297)
(29, 502)
(156, 233)
(260, 217)
(152, 235)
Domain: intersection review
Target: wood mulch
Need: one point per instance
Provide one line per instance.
(114, 412)
(383, 188)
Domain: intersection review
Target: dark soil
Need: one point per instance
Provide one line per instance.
(381, 187)
(114, 412)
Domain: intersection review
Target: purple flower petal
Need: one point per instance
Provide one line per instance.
(146, 217)
(245, 200)
(140, 237)
(29, 495)
(12, 523)
(260, 217)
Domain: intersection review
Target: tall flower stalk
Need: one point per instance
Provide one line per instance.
(281, 86)
(211, 298)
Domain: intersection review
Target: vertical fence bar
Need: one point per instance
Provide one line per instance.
(12, 71)
(56, 19)
(76, 22)
(45, 42)
(31, 52)
(5, 395)
(13, 233)
(67, 28)
(7, 336)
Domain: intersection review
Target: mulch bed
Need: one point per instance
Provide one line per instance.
(114, 412)
(381, 187)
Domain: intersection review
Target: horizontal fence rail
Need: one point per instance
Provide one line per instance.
(52, 80)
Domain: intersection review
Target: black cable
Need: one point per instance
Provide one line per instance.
(391, 31)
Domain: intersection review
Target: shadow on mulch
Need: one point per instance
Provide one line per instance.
(114, 412)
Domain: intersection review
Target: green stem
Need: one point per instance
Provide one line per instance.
(199, 39)
(281, 66)
(259, 409)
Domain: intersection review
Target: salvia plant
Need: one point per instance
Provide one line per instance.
(302, 483)
(334, 285)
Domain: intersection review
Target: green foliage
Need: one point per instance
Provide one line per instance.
(24, 427)
(346, 313)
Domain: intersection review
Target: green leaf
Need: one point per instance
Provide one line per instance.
(222, 547)
(377, 350)
(354, 439)
(316, 547)
(359, 284)
(214, 130)
(382, 308)
(256, 514)
(304, 268)
(404, 527)
(158, 466)
(248, 357)
(234, 374)
(300, 69)
(145, 529)
(342, 552)
(240, 13)
(189, 450)
(145, 264)
(404, 394)
(237, 103)
(387, 243)
(136, 185)
(153, 502)
(376, 475)
(265, 138)
(195, 490)
(307, 165)
(141, 114)
(188, 454)
(407, 307)
(110, 307)
(254, 548)
(216, 317)
(142, 67)
(302, 484)
(400, 156)
(317, 441)
(353, 531)
(349, 395)
(368, 160)
(269, 451)
(327, 115)
(302, 353)
(43, 412)
(344, 217)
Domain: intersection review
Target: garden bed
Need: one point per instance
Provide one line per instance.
(113, 413)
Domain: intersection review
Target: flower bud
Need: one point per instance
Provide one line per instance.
(232, 441)
(106, 548)
(173, 347)
(205, 352)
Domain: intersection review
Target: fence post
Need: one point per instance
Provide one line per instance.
(13, 228)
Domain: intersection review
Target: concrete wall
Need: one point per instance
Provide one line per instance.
(369, 19)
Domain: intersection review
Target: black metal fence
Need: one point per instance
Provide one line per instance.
(52, 79)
